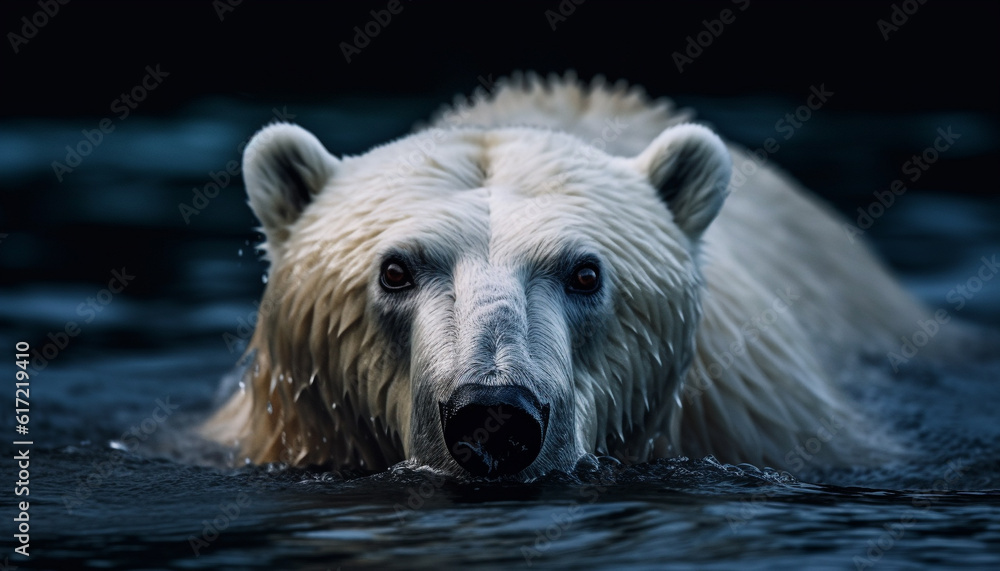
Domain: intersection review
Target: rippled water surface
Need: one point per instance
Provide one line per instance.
(157, 352)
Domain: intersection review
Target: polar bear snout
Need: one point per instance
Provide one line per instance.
(494, 430)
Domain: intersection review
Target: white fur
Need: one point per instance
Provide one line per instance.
(485, 197)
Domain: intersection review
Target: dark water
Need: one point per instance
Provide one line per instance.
(149, 360)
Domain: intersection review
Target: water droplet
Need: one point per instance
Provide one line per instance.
(333, 406)
(239, 252)
(243, 388)
(270, 409)
(263, 278)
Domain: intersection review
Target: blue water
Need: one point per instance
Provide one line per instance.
(152, 358)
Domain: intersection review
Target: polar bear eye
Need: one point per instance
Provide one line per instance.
(395, 276)
(586, 278)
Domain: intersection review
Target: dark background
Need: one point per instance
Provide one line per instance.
(226, 75)
(942, 58)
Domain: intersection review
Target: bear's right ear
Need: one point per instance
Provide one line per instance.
(690, 167)
(284, 168)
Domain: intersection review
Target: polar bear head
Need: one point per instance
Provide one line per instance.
(495, 302)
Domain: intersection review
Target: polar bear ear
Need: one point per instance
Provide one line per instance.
(690, 167)
(284, 168)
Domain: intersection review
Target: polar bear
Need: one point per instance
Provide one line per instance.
(552, 270)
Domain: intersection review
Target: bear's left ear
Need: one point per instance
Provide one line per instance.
(690, 167)
(284, 168)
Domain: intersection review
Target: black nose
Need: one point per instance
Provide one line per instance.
(494, 430)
